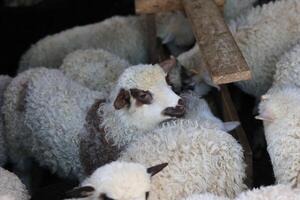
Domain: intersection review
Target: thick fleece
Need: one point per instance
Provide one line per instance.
(11, 188)
(96, 69)
(280, 111)
(4, 81)
(288, 68)
(125, 37)
(200, 160)
(282, 192)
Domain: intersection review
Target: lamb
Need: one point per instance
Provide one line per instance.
(112, 35)
(279, 110)
(4, 81)
(263, 34)
(265, 193)
(200, 160)
(11, 188)
(117, 180)
(53, 111)
(95, 69)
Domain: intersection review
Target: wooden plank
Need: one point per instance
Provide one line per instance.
(155, 6)
(223, 58)
(230, 114)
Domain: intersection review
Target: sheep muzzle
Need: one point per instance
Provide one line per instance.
(177, 111)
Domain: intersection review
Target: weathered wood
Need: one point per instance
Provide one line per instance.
(155, 6)
(151, 35)
(223, 58)
(230, 114)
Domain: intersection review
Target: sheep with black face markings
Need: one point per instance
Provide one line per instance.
(51, 111)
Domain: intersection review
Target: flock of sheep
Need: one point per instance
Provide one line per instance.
(84, 107)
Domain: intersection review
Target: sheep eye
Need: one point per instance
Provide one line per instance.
(144, 97)
(104, 197)
(147, 195)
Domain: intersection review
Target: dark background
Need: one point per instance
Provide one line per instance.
(22, 26)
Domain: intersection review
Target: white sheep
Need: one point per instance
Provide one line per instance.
(233, 8)
(264, 34)
(279, 110)
(4, 81)
(11, 188)
(282, 192)
(288, 68)
(96, 69)
(53, 111)
(200, 160)
(125, 37)
(117, 180)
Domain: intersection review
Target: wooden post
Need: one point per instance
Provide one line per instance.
(223, 58)
(151, 35)
(230, 114)
(155, 6)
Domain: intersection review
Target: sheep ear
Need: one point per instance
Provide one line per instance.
(122, 99)
(155, 169)
(265, 116)
(229, 126)
(80, 192)
(169, 64)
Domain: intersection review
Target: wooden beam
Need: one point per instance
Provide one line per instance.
(151, 35)
(155, 6)
(230, 114)
(223, 58)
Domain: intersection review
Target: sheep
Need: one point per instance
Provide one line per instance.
(4, 81)
(195, 109)
(117, 180)
(11, 188)
(288, 68)
(200, 160)
(55, 110)
(263, 34)
(198, 109)
(95, 69)
(279, 111)
(122, 36)
(233, 8)
(265, 193)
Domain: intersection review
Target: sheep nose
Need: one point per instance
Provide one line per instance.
(177, 111)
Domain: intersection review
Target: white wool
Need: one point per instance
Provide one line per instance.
(96, 69)
(120, 180)
(4, 81)
(288, 68)
(205, 196)
(280, 192)
(276, 192)
(200, 160)
(281, 111)
(11, 188)
(125, 37)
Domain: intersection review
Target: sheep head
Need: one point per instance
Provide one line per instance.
(117, 181)
(143, 98)
(280, 103)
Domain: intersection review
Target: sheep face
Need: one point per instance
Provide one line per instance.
(143, 97)
(117, 181)
(278, 104)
